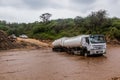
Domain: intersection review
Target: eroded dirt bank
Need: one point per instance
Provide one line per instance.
(43, 64)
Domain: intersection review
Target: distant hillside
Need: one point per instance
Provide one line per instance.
(95, 23)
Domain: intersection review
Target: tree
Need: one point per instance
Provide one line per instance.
(78, 20)
(97, 19)
(45, 17)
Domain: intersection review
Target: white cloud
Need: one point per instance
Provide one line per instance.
(27, 11)
(111, 6)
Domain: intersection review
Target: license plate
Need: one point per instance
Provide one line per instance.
(99, 51)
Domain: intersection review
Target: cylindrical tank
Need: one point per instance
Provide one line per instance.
(59, 42)
(74, 41)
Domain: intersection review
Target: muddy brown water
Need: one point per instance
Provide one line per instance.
(47, 65)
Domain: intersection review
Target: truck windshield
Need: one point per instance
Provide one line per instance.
(97, 39)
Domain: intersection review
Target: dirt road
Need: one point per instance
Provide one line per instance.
(48, 65)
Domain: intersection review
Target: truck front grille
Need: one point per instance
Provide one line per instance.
(98, 46)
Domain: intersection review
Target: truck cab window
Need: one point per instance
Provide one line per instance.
(97, 39)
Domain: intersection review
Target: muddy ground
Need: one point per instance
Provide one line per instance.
(43, 64)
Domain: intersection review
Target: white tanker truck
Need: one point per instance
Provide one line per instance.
(83, 44)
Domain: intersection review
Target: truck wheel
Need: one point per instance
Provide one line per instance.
(81, 53)
(86, 54)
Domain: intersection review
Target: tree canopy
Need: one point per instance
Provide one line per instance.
(45, 17)
(95, 23)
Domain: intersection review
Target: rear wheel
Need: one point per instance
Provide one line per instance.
(86, 54)
(82, 52)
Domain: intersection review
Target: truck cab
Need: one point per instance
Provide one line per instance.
(94, 44)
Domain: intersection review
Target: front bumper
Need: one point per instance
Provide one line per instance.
(101, 51)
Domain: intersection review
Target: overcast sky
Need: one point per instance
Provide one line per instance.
(30, 10)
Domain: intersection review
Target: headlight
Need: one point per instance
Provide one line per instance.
(91, 47)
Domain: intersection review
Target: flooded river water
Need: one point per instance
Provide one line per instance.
(47, 65)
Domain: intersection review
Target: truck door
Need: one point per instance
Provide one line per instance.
(84, 43)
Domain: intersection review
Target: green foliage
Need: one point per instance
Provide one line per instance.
(95, 23)
(114, 33)
(114, 30)
(4, 28)
(39, 29)
(43, 36)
